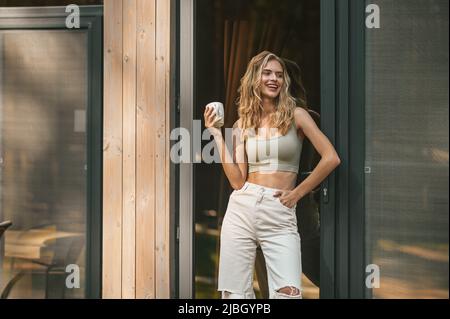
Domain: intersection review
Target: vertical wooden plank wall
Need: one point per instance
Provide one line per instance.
(146, 121)
(136, 184)
(112, 151)
(129, 150)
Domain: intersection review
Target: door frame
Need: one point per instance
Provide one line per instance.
(328, 126)
(343, 121)
(342, 55)
(357, 151)
(91, 21)
(185, 229)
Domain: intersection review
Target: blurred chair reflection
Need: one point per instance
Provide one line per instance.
(4, 226)
(43, 251)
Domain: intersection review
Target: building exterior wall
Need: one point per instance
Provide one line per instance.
(137, 246)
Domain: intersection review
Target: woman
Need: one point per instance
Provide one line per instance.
(261, 209)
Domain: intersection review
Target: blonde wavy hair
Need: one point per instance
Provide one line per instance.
(249, 102)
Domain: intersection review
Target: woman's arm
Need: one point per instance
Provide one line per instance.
(235, 167)
(329, 158)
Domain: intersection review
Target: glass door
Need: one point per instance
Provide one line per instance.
(406, 150)
(50, 153)
(216, 47)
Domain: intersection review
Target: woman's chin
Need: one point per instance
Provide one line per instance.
(270, 95)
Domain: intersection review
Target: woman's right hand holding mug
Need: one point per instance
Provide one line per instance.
(210, 117)
(210, 120)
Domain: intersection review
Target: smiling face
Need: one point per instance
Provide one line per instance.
(272, 79)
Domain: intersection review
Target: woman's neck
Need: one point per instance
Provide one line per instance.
(268, 106)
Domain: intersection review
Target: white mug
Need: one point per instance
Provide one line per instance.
(220, 113)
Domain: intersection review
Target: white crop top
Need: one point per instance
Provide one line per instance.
(279, 153)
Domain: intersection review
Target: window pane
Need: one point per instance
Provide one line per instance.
(407, 148)
(43, 99)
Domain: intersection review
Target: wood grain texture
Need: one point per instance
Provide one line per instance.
(137, 222)
(146, 132)
(112, 151)
(129, 150)
(162, 156)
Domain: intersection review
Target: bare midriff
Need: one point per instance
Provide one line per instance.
(278, 179)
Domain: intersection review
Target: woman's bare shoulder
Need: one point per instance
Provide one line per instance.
(299, 111)
(237, 124)
(301, 117)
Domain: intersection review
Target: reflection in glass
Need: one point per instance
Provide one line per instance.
(407, 150)
(43, 99)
